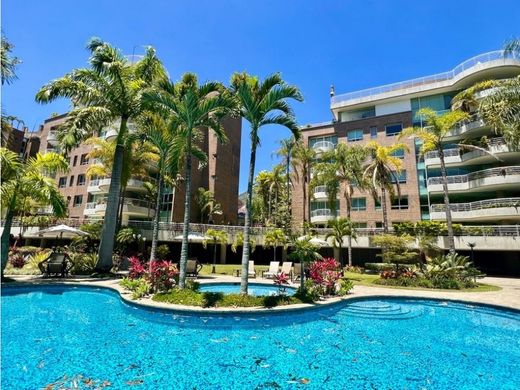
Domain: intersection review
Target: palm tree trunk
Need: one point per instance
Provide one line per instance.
(121, 206)
(213, 269)
(106, 246)
(449, 223)
(383, 208)
(187, 206)
(155, 231)
(274, 252)
(304, 180)
(8, 222)
(302, 277)
(349, 237)
(247, 220)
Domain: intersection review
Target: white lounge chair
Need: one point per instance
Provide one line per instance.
(286, 268)
(273, 270)
(252, 272)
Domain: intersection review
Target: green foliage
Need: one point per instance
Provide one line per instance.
(355, 269)
(304, 251)
(36, 258)
(208, 206)
(380, 266)
(345, 285)
(216, 237)
(90, 241)
(162, 251)
(395, 249)
(239, 241)
(138, 287)
(451, 267)
(274, 238)
(84, 263)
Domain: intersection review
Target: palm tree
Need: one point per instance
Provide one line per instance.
(275, 188)
(108, 92)
(286, 151)
(433, 137)
(304, 251)
(275, 238)
(167, 139)
(215, 237)
(150, 195)
(29, 180)
(207, 204)
(302, 160)
(8, 62)
(382, 172)
(342, 227)
(261, 103)
(192, 107)
(262, 189)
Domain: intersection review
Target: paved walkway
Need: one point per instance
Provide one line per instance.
(508, 296)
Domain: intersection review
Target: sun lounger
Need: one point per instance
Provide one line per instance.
(57, 264)
(286, 268)
(252, 272)
(273, 270)
(193, 268)
(297, 272)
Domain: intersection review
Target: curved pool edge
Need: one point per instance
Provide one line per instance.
(149, 304)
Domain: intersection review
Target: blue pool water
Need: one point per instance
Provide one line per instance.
(89, 337)
(253, 288)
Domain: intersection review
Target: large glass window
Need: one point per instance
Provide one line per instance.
(398, 153)
(393, 129)
(329, 138)
(355, 135)
(81, 180)
(78, 200)
(399, 177)
(373, 132)
(63, 182)
(359, 204)
(400, 203)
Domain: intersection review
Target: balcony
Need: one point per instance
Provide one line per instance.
(455, 157)
(473, 127)
(322, 216)
(110, 134)
(505, 209)
(131, 208)
(90, 209)
(51, 137)
(135, 185)
(323, 147)
(320, 193)
(93, 185)
(493, 179)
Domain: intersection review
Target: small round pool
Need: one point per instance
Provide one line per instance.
(256, 289)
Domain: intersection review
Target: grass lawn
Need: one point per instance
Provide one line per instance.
(230, 269)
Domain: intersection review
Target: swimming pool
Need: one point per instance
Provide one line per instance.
(64, 334)
(253, 288)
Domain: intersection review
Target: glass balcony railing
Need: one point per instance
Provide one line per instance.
(478, 205)
(492, 172)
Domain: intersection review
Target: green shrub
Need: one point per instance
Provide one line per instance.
(84, 263)
(355, 269)
(162, 252)
(378, 267)
(36, 258)
(345, 286)
(139, 287)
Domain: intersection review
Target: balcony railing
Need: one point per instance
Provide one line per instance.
(444, 76)
(323, 146)
(492, 144)
(479, 205)
(323, 213)
(492, 172)
(131, 202)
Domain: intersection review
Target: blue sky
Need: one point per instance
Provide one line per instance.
(351, 44)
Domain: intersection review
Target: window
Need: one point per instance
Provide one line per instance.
(355, 135)
(71, 181)
(399, 153)
(75, 161)
(377, 204)
(393, 129)
(78, 200)
(360, 225)
(373, 132)
(359, 204)
(400, 203)
(84, 159)
(62, 182)
(167, 202)
(400, 176)
(81, 180)
(320, 142)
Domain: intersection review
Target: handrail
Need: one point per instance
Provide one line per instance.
(323, 144)
(320, 189)
(492, 143)
(491, 172)
(444, 76)
(323, 213)
(478, 205)
(131, 202)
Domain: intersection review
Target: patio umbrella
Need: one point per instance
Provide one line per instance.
(315, 240)
(193, 237)
(62, 229)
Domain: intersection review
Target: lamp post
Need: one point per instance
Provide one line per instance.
(471, 246)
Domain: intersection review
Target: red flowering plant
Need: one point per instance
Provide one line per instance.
(281, 280)
(136, 269)
(162, 274)
(325, 273)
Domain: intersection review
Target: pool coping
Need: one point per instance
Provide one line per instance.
(148, 303)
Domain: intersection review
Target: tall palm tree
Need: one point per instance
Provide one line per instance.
(192, 107)
(167, 138)
(208, 205)
(433, 138)
(382, 172)
(286, 151)
(9, 63)
(261, 103)
(261, 188)
(342, 227)
(275, 238)
(302, 160)
(29, 180)
(109, 91)
(275, 187)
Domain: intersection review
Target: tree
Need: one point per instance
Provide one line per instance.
(28, 180)
(192, 107)
(9, 63)
(239, 241)
(261, 103)
(215, 237)
(342, 227)
(433, 137)
(207, 204)
(304, 251)
(109, 91)
(169, 143)
(302, 160)
(382, 172)
(286, 152)
(395, 249)
(275, 238)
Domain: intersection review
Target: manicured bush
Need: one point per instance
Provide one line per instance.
(84, 263)
(355, 269)
(139, 287)
(378, 267)
(325, 273)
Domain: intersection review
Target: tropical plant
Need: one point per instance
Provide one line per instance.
(207, 204)
(215, 237)
(84, 263)
(9, 63)
(382, 173)
(325, 273)
(303, 158)
(342, 227)
(29, 180)
(239, 241)
(395, 249)
(261, 103)
(275, 238)
(285, 152)
(108, 92)
(88, 242)
(433, 137)
(304, 251)
(192, 107)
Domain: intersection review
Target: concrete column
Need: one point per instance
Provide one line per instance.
(223, 251)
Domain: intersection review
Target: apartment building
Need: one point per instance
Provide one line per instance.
(21, 141)
(87, 197)
(483, 189)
